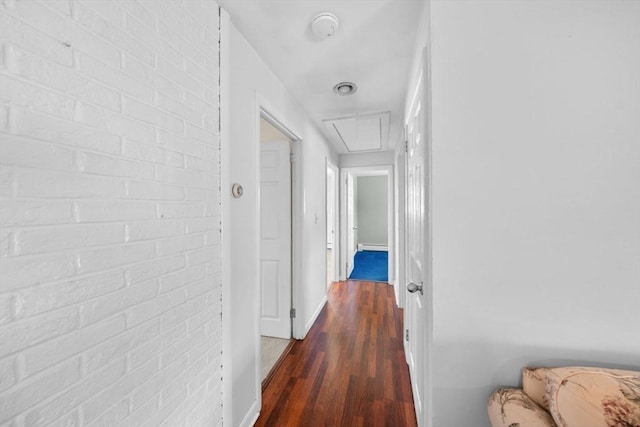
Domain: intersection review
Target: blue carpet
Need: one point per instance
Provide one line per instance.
(371, 265)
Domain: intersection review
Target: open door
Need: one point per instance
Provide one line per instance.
(416, 317)
(331, 204)
(275, 239)
(352, 226)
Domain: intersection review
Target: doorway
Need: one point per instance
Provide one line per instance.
(275, 245)
(367, 237)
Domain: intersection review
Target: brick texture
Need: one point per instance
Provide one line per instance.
(110, 282)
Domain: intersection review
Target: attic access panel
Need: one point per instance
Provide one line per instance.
(358, 133)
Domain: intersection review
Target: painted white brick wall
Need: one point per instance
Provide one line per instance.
(109, 213)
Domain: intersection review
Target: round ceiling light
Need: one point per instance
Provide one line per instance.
(324, 25)
(345, 88)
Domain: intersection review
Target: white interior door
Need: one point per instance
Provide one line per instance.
(331, 212)
(415, 314)
(332, 242)
(275, 239)
(352, 226)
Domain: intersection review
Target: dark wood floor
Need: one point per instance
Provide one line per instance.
(350, 370)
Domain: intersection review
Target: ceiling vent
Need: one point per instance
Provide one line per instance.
(367, 132)
(345, 88)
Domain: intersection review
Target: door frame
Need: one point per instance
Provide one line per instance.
(336, 250)
(401, 226)
(267, 112)
(355, 172)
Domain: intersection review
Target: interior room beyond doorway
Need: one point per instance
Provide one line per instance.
(371, 261)
(367, 221)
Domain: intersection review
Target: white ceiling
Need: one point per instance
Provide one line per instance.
(361, 132)
(373, 48)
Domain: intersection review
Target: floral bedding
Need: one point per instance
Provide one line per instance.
(569, 397)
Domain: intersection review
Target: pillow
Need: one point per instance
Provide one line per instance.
(533, 384)
(510, 407)
(593, 397)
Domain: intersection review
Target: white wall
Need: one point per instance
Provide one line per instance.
(250, 83)
(371, 210)
(536, 195)
(109, 253)
(315, 150)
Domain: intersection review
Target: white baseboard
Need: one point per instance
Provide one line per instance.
(370, 247)
(252, 415)
(396, 293)
(314, 316)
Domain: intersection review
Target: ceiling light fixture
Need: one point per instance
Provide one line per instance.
(345, 88)
(324, 25)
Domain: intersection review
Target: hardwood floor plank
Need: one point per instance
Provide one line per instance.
(350, 370)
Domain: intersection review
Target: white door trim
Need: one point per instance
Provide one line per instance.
(265, 110)
(428, 167)
(401, 229)
(368, 171)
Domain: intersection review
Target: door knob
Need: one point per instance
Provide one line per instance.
(412, 287)
(237, 191)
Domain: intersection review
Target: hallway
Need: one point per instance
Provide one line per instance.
(131, 206)
(350, 370)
